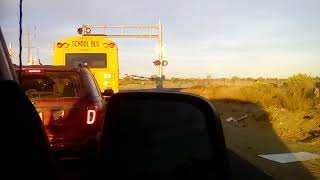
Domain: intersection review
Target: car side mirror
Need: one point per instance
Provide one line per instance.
(108, 92)
(162, 135)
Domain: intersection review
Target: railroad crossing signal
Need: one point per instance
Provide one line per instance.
(158, 63)
(153, 32)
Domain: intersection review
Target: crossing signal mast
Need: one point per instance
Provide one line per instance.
(146, 32)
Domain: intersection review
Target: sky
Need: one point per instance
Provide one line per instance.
(220, 38)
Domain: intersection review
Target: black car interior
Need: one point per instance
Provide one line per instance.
(25, 151)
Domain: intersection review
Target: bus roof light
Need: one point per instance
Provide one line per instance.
(59, 44)
(111, 45)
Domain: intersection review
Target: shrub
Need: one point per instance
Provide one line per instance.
(296, 93)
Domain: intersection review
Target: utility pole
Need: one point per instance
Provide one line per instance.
(30, 61)
(29, 47)
(12, 51)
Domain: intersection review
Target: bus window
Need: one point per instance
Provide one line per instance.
(93, 60)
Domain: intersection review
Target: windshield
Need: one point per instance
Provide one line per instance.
(93, 60)
(257, 62)
(52, 84)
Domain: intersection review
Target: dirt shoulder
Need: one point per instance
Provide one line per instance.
(265, 130)
(268, 131)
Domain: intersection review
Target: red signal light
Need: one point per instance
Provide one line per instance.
(164, 63)
(88, 30)
(157, 62)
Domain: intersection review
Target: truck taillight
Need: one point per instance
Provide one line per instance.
(91, 116)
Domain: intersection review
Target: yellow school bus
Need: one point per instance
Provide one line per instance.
(97, 52)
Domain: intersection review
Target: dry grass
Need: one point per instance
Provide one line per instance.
(295, 93)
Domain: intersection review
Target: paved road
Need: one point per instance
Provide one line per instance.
(77, 168)
(242, 169)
